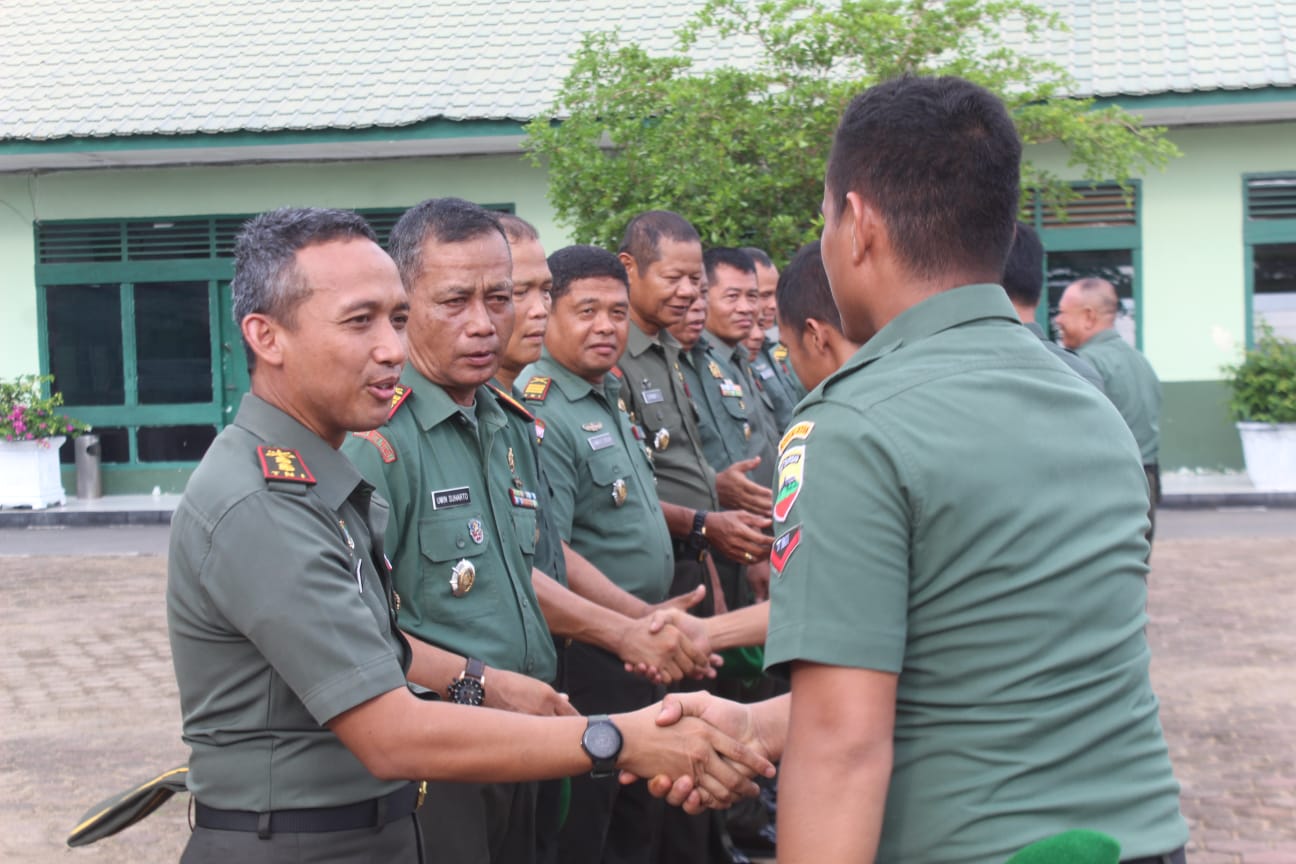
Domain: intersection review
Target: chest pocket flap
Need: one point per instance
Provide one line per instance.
(607, 469)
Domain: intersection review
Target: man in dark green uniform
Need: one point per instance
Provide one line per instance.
(605, 506)
(770, 366)
(458, 462)
(291, 670)
(1086, 320)
(809, 322)
(1023, 279)
(961, 609)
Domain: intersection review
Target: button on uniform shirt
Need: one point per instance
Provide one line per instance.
(279, 617)
(1132, 386)
(653, 390)
(1078, 364)
(958, 508)
(457, 479)
(770, 375)
(604, 497)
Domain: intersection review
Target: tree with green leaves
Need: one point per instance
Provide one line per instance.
(733, 128)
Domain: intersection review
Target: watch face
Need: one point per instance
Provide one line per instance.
(602, 740)
(467, 691)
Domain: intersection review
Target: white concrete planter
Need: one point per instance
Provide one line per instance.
(29, 473)
(1270, 453)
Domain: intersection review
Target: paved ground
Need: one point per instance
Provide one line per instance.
(88, 707)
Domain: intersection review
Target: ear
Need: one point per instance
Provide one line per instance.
(868, 231)
(632, 267)
(814, 336)
(265, 336)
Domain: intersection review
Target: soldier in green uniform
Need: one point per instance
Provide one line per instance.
(808, 319)
(1023, 279)
(770, 365)
(1086, 320)
(606, 508)
(961, 609)
(458, 462)
(292, 673)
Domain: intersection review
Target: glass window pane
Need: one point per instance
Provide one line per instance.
(174, 443)
(173, 342)
(1114, 265)
(85, 343)
(1274, 296)
(114, 446)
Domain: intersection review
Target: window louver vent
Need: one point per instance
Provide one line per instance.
(1271, 197)
(1100, 206)
(136, 240)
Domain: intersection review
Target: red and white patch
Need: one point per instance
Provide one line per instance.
(783, 548)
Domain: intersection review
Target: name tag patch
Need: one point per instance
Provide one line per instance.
(443, 499)
(601, 442)
(652, 397)
(766, 373)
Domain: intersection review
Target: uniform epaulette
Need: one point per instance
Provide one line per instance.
(398, 399)
(385, 449)
(280, 463)
(616, 370)
(780, 352)
(537, 388)
(511, 404)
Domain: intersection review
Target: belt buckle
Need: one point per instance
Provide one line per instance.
(422, 793)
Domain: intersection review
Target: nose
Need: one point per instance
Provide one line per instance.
(478, 320)
(390, 350)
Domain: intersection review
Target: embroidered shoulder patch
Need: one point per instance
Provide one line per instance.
(385, 449)
(280, 463)
(797, 430)
(398, 398)
(537, 388)
(791, 479)
(783, 548)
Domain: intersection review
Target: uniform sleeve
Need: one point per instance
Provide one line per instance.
(561, 470)
(280, 573)
(840, 564)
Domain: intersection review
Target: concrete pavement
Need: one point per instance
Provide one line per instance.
(88, 700)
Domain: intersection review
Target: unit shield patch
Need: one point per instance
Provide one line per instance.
(791, 477)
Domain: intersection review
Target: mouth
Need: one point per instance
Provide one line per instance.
(479, 359)
(383, 389)
(603, 348)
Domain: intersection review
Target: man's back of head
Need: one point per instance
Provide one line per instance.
(1023, 276)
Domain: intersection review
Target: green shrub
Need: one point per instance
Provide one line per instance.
(27, 414)
(1264, 383)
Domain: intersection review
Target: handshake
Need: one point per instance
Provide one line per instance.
(699, 751)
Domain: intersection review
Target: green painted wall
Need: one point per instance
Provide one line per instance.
(233, 189)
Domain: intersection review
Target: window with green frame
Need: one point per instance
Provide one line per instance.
(136, 328)
(1269, 234)
(1096, 234)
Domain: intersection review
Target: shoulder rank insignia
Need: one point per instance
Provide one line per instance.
(508, 403)
(374, 437)
(398, 398)
(280, 463)
(537, 388)
(780, 352)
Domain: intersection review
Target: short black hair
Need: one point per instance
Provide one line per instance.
(729, 256)
(266, 280)
(644, 234)
(760, 256)
(1023, 276)
(940, 159)
(803, 292)
(445, 220)
(517, 229)
(573, 263)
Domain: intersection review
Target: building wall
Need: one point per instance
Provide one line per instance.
(1193, 285)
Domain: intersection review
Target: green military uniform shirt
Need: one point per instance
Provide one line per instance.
(463, 499)
(655, 397)
(279, 616)
(604, 496)
(1132, 386)
(549, 558)
(1078, 364)
(958, 508)
(776, 379)
(763, 440)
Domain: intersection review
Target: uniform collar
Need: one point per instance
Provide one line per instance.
(1036, 329)
(573, 386)
(639, 341)
(432, 405)
(722, 350)
(942, 311)
(335, 476)
(1108, 335)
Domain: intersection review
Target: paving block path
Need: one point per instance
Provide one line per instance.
(88, 702)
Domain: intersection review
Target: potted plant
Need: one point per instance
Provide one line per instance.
(1264, 406)
(31, 432)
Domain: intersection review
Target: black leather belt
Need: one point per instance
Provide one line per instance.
(373, 813)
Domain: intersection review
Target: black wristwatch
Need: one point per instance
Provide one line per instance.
(602, 743)
(697, 540)
(470, 687)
